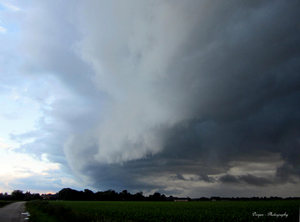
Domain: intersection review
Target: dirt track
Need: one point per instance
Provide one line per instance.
(12, 212)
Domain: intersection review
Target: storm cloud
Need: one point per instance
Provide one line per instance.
(189, 97)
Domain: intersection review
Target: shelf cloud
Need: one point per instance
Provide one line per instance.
(180, 97)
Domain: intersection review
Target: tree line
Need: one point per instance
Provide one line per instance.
(111, 195)
(20, 195)
(71, 194)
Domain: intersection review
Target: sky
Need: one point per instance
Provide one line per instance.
(186, 98)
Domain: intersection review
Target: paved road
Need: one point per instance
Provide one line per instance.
(12, 212)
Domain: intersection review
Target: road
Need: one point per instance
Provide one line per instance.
(12, 212)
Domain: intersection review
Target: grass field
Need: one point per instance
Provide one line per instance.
(282, 210)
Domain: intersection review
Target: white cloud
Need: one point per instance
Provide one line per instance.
(3, 30)
(21, 171)
(128, 66)
(10, 6)
(12, 163)
(3, 145)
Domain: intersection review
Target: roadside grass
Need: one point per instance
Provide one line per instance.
(5, 202)
(38, 213)
(43, 211)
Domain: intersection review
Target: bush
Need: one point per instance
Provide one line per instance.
(41, 211)
(3, 203)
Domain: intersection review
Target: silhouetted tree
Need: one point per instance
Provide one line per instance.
(156, 196)
(125, 195)
(139, 196)
(89, 195)
(70, 194)
(17, 195)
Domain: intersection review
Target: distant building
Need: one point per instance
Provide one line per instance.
(176, 199)
(49, 196)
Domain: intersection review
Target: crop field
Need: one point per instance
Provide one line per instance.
(282, 210)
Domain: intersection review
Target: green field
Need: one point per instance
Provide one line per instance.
(176, 211)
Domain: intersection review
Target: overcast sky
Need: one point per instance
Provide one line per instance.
(186, 98)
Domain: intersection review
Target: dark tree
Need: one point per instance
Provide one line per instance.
(139, 196)
(156, 196)
(69, 194)
(89, 195)
(17, 195)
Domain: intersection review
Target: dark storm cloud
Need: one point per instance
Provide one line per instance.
(49, 34)
(288, 172)
(201, 177)
(206, 178)
(177, 177)
(167, 95)
(249, 179)
(229, 179)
